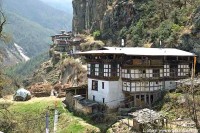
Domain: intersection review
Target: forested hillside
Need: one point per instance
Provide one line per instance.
(146, 23)
(30, 25)
(39, 12)
(31, 36)
(22, 70)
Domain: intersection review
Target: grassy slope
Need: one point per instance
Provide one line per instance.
(36, 109)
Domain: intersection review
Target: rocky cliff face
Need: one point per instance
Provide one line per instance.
(88, 14)
(140, 23)
(108, 16)
(12, 55)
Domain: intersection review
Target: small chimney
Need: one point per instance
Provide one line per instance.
(160, 44)
(62, 31)
(122, 43)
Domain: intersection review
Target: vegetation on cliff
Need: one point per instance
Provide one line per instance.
(173, 23)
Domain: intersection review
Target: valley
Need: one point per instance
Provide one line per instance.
(31, 27)
(110, 66)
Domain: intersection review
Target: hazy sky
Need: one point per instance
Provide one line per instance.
(65, 5)
(57, 1)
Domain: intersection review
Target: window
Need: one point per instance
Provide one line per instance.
(93, 98)
(107, 70)
(101, 68)
(92, 69)
(147, 99)
(118, 70)
(95, 85)
(143, 71)
(166, 71)
(173, 70)
(151, 98)
(102, 85)
(114, 70)
(142, 97)
(183, 70)
(89, 68)
(103, 100)
(96, 69)
(156, 73)
(128, 71)
(126, 86)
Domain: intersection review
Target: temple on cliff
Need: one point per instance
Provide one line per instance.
(66, 42)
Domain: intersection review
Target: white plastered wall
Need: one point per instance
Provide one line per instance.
(170, 85)
(112, 92)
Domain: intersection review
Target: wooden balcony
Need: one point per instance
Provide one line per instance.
(111, 78)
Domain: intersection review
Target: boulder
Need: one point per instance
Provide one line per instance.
(22, 95)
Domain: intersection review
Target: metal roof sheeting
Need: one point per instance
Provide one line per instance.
(139, 51)
(146, 115)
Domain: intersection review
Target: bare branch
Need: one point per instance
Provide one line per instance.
(2, 22)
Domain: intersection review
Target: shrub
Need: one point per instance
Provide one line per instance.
(96, 34)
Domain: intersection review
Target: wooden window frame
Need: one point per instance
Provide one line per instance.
(96, 70)
(183, 70)
(92, 72)
(107, 70)
(156, 73)
(93, 97)
(101, 69)
(89, 69)
(95, 85)
(103, 100)
(125, 86)
(118, 70)
(166, 70)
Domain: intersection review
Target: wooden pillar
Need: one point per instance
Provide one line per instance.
(134, 100)
(149, 99)
(140, 101)
(75, 92)
(86, 94)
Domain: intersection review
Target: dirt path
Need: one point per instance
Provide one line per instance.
(9, 98)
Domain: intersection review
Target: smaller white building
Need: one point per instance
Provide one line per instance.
(107, 92)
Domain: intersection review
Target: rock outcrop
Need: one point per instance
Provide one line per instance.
(65, 71)
(108, 16)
